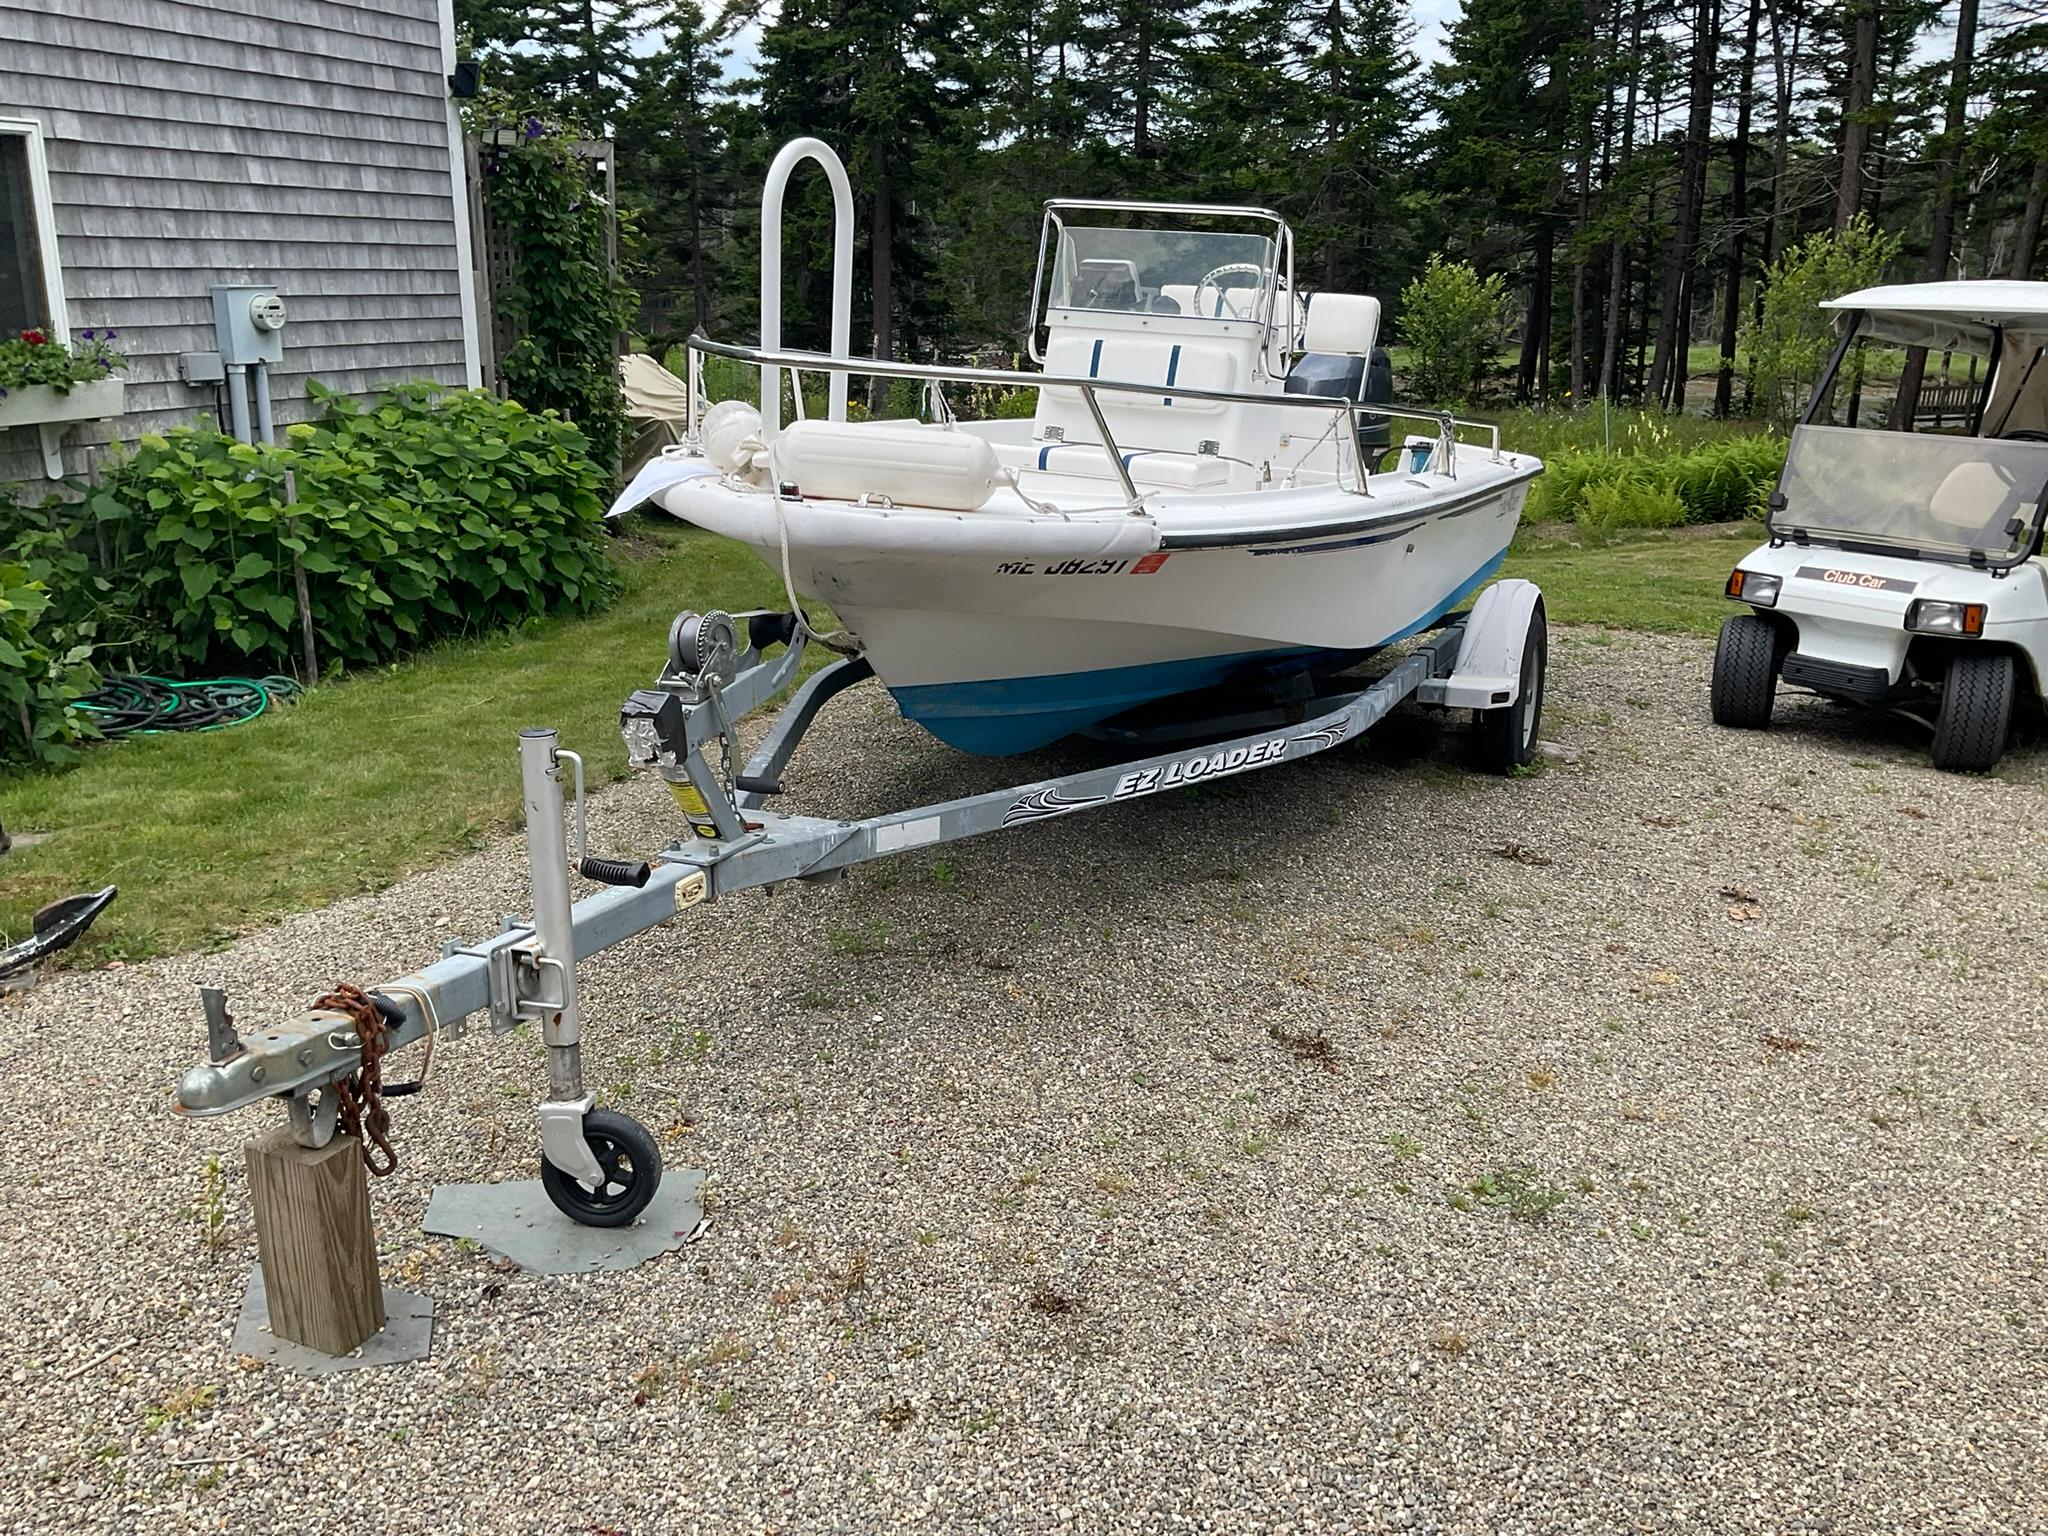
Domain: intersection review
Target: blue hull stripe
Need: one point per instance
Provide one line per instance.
(1006, 715)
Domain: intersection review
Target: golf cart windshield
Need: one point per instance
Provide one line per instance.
(1969, 499)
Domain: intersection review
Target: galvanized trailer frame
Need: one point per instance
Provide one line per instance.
(1490, 660)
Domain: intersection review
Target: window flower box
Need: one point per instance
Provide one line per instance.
(36, 405)
(48, 382)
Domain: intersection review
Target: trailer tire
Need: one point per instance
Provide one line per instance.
(1746, 662)
(626, 1151)
(1506, 737)
(1976, 711)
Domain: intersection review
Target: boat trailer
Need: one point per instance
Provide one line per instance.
(601, 1167)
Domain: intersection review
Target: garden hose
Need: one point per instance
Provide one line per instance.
(135, 704)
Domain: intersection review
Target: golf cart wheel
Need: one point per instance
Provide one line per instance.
(631, 1164)
(1746, 662)
(1506, 737)
(1976, 711)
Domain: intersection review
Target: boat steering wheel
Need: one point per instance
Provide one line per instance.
(1250, 269)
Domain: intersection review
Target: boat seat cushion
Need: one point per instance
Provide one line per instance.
(1344, 324)
(1139, 360)
(1157, 466)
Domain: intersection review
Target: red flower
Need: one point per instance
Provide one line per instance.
(35, 338)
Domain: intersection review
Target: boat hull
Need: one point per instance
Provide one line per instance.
(1006, 634)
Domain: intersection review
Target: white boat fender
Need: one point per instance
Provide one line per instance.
(906, 466)
(731, 435)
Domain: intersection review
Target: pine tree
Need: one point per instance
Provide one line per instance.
(1137, 57)
(673, 165)
(573, 55)
(1504, 105)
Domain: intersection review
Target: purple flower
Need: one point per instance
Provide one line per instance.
(110, 335)
(534, 129)
(105, 366)
(3, 394)
(86, 334)
(577, 206)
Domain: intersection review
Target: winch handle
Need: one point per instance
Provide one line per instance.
(633, 872)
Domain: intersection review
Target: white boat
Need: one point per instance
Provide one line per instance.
(1197, 500)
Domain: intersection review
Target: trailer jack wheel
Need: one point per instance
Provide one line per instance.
(630, 1162)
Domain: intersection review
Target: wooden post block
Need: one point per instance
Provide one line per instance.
(315, 1241)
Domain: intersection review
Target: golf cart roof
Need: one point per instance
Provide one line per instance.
(1959, 314)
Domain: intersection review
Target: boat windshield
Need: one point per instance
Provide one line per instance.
(1973, 499)
(1163, 271)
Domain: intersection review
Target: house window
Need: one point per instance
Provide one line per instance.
(31, 293)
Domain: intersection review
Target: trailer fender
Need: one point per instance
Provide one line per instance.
(1488, 671)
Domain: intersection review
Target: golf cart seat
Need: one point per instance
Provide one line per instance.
(1976, 497)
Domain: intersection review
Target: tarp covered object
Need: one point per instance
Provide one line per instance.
(658, 406)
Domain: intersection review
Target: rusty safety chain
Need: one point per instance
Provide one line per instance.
(361, 1112)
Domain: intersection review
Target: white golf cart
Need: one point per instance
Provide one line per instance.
(1904, 568)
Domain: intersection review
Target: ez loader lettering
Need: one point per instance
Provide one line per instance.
(1148, 781)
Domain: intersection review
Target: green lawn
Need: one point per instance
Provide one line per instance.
(364, 781)
(1666, 583)
(396, 770)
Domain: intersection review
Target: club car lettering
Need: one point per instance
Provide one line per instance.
(1149, 781)
(1860, 579)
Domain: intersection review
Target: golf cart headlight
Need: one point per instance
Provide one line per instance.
(1754, 588)
(1927, 616)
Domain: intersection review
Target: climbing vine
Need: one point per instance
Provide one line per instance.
(567, 301)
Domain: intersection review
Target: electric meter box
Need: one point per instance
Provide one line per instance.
(248, 323)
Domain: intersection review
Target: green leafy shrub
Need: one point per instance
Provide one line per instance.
(1015, 405)
(428, 514)
(1715, 482)
(1727, 481)
(1617, 504)
(42, 670)
(1560, 493)
(1789, 345)
(1453, 321)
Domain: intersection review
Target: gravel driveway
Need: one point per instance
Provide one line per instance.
(1655, 1143)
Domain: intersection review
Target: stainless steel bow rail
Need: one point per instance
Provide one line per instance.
(601, 1167)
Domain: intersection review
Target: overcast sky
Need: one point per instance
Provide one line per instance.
(1431, 17)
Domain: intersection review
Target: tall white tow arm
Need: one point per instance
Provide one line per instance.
(793, 154)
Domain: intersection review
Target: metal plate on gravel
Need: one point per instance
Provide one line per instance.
(407, 1334)
(520, 1222)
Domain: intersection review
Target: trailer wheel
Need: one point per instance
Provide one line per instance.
(1506, 737)
(1976, 711)
(625, 1150)
(1746, 662)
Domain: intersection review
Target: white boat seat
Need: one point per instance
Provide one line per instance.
(1342, 324)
